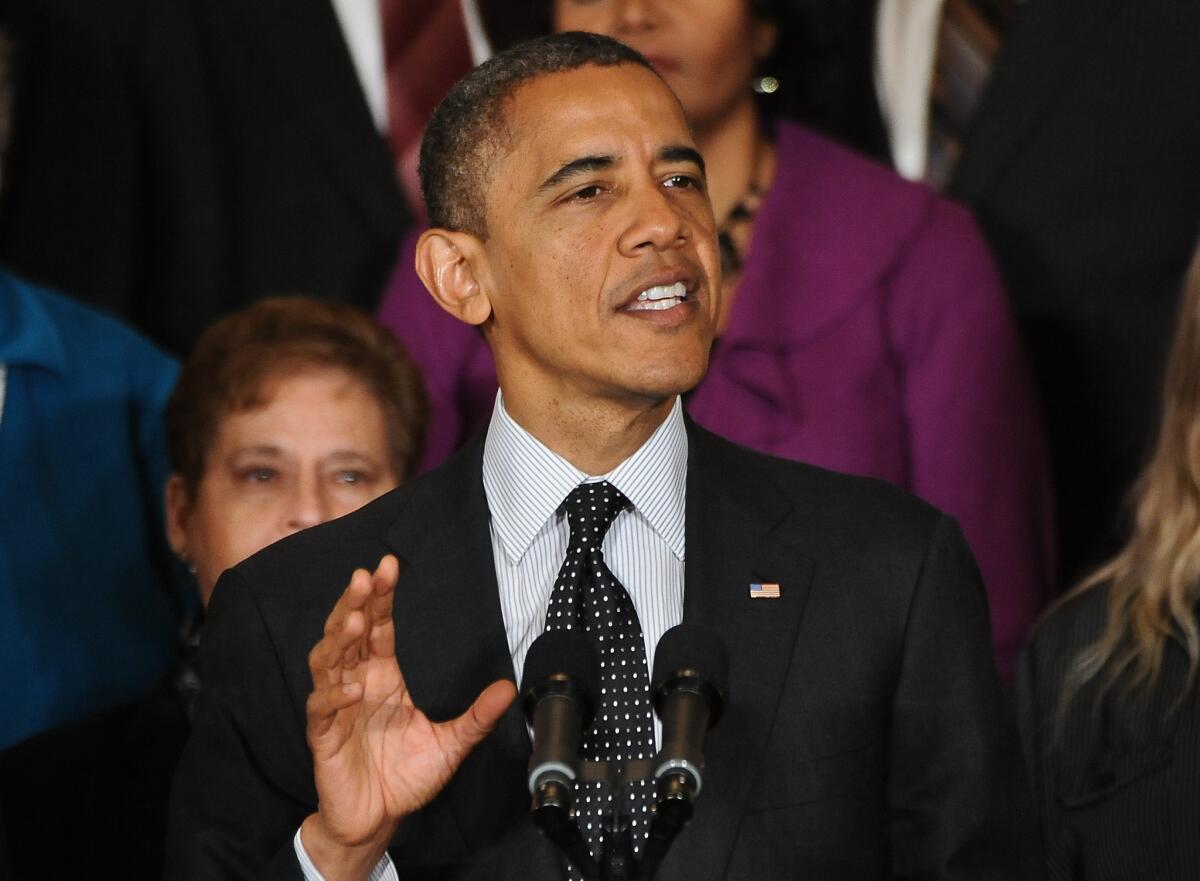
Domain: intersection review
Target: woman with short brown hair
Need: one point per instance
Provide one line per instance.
(288, 413)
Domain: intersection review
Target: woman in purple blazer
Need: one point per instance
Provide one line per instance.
(866, 329)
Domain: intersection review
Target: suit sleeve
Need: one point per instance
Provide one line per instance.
(244, 784)
(976, 448)
(959, 799)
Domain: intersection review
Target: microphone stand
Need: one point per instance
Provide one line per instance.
(688, 694)
(554, 814)
(673, 808)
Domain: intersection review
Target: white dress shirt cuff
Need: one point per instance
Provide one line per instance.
(384, 870)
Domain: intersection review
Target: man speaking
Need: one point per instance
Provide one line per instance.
(864, 735)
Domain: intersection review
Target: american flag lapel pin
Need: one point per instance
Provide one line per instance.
(764, 591)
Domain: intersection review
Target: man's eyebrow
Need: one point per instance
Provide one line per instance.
(576, 167)
(681, 153)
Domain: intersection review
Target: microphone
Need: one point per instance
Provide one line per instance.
(690, 687)
(558, 693)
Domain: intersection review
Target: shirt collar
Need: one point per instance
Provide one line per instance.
(525, 481)
(28, 335)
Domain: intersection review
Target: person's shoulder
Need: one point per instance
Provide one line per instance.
(1074, 623)
(96, 355)
(847, 504)
(797, 141)
(811, 160)
(358, 536)
(807, 157)
(316, 563)
(1068, 628)
(306, 572)
(94, 339)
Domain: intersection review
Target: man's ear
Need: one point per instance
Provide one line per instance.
(450, 265)
(179, 508)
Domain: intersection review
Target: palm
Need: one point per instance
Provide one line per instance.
(378, 758)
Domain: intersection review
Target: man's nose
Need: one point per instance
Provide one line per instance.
(656, 222)
(307, 506)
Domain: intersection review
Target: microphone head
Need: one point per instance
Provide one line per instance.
(693, 657)
(562, 662)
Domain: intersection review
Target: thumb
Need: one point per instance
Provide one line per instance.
(481, 717)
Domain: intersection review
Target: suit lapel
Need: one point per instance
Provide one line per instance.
(450, 639)
(1049, 39)
(301, 50)
(450, 642)
(734, 538)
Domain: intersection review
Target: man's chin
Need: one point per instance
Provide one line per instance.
(659, 385)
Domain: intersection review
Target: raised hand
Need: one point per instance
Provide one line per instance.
(376, 757)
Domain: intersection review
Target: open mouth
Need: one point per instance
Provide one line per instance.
(659, 298)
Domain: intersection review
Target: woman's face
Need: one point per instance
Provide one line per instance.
(317, 449)
(707, 50)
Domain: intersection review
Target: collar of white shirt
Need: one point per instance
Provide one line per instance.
(525, 481)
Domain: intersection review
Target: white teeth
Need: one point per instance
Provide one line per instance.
(655, 305)
(675, 291)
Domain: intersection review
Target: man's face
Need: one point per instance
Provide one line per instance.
(601, 263)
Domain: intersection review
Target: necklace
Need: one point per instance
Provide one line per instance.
(740, 218)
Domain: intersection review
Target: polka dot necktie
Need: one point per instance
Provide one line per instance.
(586, 594)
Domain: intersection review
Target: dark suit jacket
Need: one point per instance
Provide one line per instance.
(864, 737)
(100, 783)
(1081, 168)
(1118, 787)
(174, 160)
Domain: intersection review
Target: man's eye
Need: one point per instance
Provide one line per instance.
(682, 181)
(351, 477)
(587, 193)
(259, 475)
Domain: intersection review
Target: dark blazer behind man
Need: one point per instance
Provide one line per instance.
(1081, 168)
(864, 737)
(1079, 164)
(175, 160)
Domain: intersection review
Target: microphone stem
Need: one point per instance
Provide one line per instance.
(673, 808)
(617, 862)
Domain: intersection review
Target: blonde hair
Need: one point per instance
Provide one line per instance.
(1154, 582)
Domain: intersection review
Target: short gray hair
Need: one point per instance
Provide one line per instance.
(467, 131)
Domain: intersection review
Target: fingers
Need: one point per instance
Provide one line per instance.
(386, 575)
(380, 639)
(343, 630)
(482, 716)
(324, 704)
(360, 620)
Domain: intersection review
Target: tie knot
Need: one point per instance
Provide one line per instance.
(591, 509)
